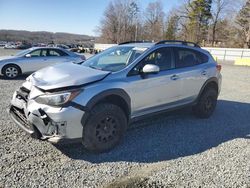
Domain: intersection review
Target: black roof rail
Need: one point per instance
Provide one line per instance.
(187, 43)
(142, 41)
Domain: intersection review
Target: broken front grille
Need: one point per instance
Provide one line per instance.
(20, 116)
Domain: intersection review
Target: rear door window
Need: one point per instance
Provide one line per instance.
(185, 57)
(56, 53)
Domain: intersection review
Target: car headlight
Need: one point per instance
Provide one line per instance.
(57, 99)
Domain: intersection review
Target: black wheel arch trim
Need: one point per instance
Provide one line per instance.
(77, 106)
(210, 80)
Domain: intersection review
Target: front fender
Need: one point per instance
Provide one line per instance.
(102, 95)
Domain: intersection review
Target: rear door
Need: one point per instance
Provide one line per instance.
(55, 56)
(192, 72)
(36, 61)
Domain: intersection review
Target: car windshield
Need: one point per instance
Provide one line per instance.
(22, 53)
(115, 58)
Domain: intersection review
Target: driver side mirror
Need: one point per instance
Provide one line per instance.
(150, 69)
(28, 55)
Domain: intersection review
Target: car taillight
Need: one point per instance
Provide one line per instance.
(218, 67)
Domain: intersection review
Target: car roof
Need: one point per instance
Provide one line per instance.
(37, 48)
(140, 45)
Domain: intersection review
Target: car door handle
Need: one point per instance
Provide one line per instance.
(204, 72)
(174, 77)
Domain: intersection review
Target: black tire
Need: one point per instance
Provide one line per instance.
(206, 104)
(11, 71)
(104, 128)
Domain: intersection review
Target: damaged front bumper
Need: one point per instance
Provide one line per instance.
(20, 119)
(22, 122)
(44, 122)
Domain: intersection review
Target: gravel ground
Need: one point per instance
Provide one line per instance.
(170, 150)
(8, 52)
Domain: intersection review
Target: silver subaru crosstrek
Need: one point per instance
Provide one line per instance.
(96, 101)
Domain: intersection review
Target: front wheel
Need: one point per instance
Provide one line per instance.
(104, 128)
(11, 71)
(206, 103)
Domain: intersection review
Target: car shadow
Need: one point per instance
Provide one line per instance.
(173, 135)
(21, 77)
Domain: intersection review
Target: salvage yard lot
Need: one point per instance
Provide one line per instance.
(170, 150)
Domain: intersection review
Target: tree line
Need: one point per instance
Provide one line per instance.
(220, 23)
(42, 37)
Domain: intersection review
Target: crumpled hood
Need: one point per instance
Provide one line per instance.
(65, 75)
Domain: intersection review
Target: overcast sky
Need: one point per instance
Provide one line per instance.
(72, 16)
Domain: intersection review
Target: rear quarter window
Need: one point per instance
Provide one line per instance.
(62, 53)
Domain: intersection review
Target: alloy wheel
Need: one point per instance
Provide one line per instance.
(106, 129)
(11, 72)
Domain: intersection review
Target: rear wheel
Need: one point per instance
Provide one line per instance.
(11, 71)
(206, 104)
(104, 128)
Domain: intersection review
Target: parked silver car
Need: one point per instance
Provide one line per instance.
(97, 100)
(33, 59)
